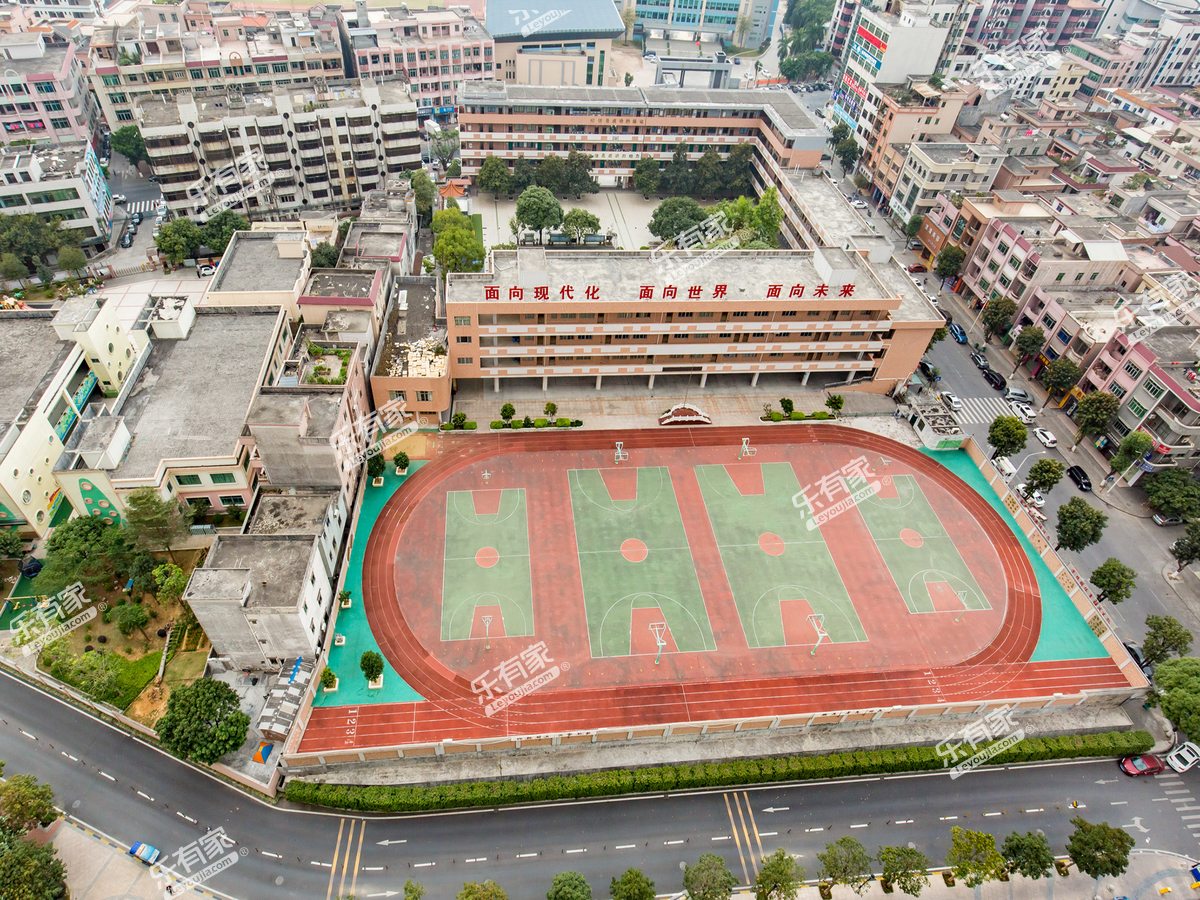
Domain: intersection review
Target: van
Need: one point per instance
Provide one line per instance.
(1006, 469)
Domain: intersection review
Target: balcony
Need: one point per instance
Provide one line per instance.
(1175, 424)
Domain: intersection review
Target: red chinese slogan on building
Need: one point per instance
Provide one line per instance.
(667, 292)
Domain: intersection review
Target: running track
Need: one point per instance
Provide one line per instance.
(451, 710)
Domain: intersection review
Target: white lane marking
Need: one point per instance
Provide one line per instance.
(1180, 791)
(1159, 800)
(423, 865)
(1117, 802)
(864, 825)
(375, 868)
(477, 859)
(949, 818)
(147, 796)
(722, 838)
(1039, 809)
(768, 833)
(903, 822)
(626, 846)
(313, 862)
(182, 816)
(106, 775)
(807, 830)
(69, 756)
(525, 855)
(270, 854)
(27, 734)
(580, 850)
(994, 814)
(671, 843)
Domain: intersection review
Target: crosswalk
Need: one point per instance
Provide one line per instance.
(1180, 797)
(977, 410)
(142, 206)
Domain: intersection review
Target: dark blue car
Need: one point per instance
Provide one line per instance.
(957, 332)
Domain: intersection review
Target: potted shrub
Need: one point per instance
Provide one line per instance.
(375, 467)
(371, 664)
(344, 599)
(401, 462)
(329, 681)
(339, 640)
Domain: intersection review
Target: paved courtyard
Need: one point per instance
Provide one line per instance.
(625, 212)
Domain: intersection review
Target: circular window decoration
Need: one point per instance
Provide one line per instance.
(95, 512)
(41, 516)
(3, 514)
(128, 353)
(26, 496)
(88, 500)
(85, 485)
(104, 504)
(16, 473)
(110, 348)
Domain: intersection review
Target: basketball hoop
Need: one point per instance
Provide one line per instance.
(658, 629)
(962, 597)
(817, 620)
(487, 632)
(621, 454)
(746, 450)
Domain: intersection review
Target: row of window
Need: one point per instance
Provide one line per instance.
(214, 477)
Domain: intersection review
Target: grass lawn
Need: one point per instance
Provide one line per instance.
(477, 223)
(151, 703)
(184, 668)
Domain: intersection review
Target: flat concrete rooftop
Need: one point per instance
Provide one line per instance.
(829, 210)
(276, 566)
(291, 513)
(339, 283)
(29, 352)
(252, 263)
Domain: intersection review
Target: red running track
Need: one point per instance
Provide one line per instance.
(452, 710)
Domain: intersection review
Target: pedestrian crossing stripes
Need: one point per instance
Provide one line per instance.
(977, 410)
(142, 206)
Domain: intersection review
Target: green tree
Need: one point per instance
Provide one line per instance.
(677, 175)
(1099, 850)
(507, 411)
(179, 239)
(674, 216)
(1079, 525)
(324, 256)
(130, 618)
(552, 173)
(11, 543)
(834, 403)
(973, 857)
(1115, 580)
(1173, 492)
(1164, 636)
(1093, 413)
(709, 879)
(1045, 474)
(12, 269)
(457, 250)
(779, 877)
(913, 225)
(30, 872)
(710, 172)
(538, 210)
(156, 522)
(426, 192)
(577, 175)
(1060, 375)
(632, 885)
(739, 170)
(203, 721)
(82, 549)
(444, 146)
(127, 140)
(1186, 549)
(569, 886)
(25, 804)
(414, 890)
(1178, 682)
(72, 260)
(218, 231)
(1028, 854)
(904, 867)
(768, 216)
(646, 175)
(524, 176)
(30, 238)
(1007, 435)
(848, 153)
(454, 170)
(742, 27)
(451, 217)
(949, 261)
(1029, 343)
(481, 890)
(997, 316)
(628, 18)
(1134, 447)
(580, 222)
(172, 581)
(371, 664)
(839, 132)
(846, 861)
(493, 176)
(939, 335)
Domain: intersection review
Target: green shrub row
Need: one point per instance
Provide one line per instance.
(449, 426)
(397, 798)
(537, 423)
(796, 416)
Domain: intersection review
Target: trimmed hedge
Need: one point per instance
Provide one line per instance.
(540, 423)
(398, 798)
(499, 423)
(797, 416)
(562, 423)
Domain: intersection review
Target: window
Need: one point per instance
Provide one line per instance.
(466, 361)
(232, 500)
(1153, 388)
(1117, 390)
(462, 321)
(397, 395)
(424, 396)
(1132, 371)
(185, 480)
(1120, 427)
(462, 339)
(124, 115)
(1060, 276)
(197, 502)
(1137, 409)
(222, 477)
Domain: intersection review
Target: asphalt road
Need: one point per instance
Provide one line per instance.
(131, 791)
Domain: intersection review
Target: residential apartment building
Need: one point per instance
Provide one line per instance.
(838, 35)
(59, 181)
(321, 154)
(44, 97)
(163, 50)
(708, 20)
(50, 10)
(933, 166)
(960, 221)
(1077, 322)
(1172, 55)
(1122, 16)
(559, 46)
(1173, 154)
(1033, 24)
(1109, 63)
(436, 50)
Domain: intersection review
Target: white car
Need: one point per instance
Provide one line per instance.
(1046, 437)
(859, 204)
(1032, 497)
(1024, 412)
(951, 401)
(1184, 756)
(205, 271)
(118, 198)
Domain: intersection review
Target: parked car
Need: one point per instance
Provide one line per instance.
(959, 335)
(1184, 757)
(1134, 653)
(917, 268)
(118, 198)
(1160, 519)
(1018, 394)
(136, 218)
(859, 204)
(1077, 475)
(1034, 497)
(995, 379)
(951, 401)
(144, 852)
(981, 361)
(1143, 764)
(1023, 412)
(205, 271)
(945, 315)
(1046, 437)
(927, 368)
(30, 566)
(154, 179)
(126, 241)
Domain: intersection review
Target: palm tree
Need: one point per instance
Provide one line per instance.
(757, 68)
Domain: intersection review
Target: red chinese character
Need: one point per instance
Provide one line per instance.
(822, 290)
(516, 293)
(592, 293)
(566, 292)
(491, 292)
(669, 292)
(541, 293)
(774, 289)
(797, 290)
(847, 290)
(647, 292)
(718, 291)
(694, 292)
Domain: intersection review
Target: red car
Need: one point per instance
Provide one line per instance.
(917, 268)
(1145, 764)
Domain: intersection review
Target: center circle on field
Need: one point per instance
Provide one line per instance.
(634, 550)
(771, 544)
(487, 557)
(911, 537)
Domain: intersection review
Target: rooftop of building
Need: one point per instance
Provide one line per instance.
(55, 160)
(829, 208)
(1177, 201)
(914, 306)
(346, 321)
(390, 204)
(191, 397)
(410, 328)
(1174, 345)
(293, 406)
(945, 153)
(339, 283)
(274, 566)
(253, 262)
(50, 62)
(30, 352)
(592, 20)
(298, 513)
(375, 240)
